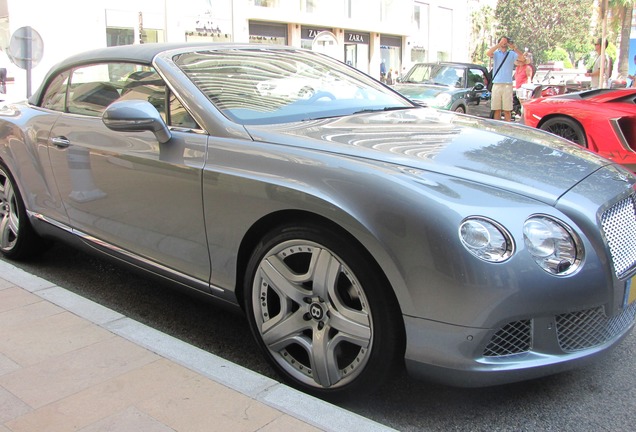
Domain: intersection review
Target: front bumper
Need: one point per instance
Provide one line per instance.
(517, 351)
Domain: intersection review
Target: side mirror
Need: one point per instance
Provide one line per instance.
(479, 87)
(136, 116)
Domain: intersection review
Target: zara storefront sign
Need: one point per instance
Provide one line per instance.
(311, 33)
(361, 38)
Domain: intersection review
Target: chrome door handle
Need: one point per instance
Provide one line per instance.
(60, 142)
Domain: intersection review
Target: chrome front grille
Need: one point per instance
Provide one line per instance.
(619, 227)
(513, 338)
(585, 329)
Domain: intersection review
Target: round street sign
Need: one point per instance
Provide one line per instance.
(26, 47)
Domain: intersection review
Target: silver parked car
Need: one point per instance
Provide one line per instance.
(356, 230)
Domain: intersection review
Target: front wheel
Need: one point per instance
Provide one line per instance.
(566, 128)
(321, 312)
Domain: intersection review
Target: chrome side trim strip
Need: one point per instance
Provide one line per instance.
(55, 223)
(119, 251)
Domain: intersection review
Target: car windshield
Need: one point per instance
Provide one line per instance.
(436, 74)
(267, 86)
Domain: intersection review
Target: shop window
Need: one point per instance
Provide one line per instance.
(418, 55)
(152, 35)
(116, 36)
(443, 56)
(265, 3)
(309, 6)
(266, 33)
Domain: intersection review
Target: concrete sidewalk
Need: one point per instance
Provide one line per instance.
(67, 363)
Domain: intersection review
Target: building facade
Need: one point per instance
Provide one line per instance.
(362, 33)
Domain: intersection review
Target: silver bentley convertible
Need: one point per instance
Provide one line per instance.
(358, 232)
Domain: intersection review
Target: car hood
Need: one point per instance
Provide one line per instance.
(421, 91)
(507, 156)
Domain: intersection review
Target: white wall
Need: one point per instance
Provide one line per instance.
(65, 33)
(71, 26)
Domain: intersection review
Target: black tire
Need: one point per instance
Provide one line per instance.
(567, 128)
(17, 238)
(322, 313)
(460, 109)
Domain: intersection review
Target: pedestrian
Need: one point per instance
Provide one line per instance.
(3, 72)
(523, 71)
(383, 71)
(633, 77)
(595, 72)
(389, 77)
(504, 55)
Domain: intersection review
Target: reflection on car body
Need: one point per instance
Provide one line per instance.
(357, 230)
(460, 87)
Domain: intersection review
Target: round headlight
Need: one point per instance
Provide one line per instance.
(485, 239)
(552, 244)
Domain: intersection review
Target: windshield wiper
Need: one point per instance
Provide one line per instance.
(391, 108)
(363, 111)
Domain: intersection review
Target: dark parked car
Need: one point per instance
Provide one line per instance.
(356, 230)
(460, 87)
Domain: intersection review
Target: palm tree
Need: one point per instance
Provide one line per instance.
(620, 13)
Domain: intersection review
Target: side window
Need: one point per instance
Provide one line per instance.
(55, 95)
(476, 76)
(146, 84)
(179, 116)
(92, 88)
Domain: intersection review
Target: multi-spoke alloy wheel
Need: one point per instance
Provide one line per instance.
(9, 218)
(17, 240)
(566, 128)
(317, 311)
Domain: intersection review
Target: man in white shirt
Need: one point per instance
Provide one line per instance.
(595, 73)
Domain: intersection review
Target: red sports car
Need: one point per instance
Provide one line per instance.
(603, 120)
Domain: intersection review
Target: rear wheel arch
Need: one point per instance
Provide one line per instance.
(19, 239)
(568, 121)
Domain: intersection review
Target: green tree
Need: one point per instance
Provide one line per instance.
(483, 20)
(542, 25)
(559, 54)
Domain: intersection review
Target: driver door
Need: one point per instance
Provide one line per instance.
(125, 190)
(478, 96)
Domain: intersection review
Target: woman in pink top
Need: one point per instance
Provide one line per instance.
(523, 71)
